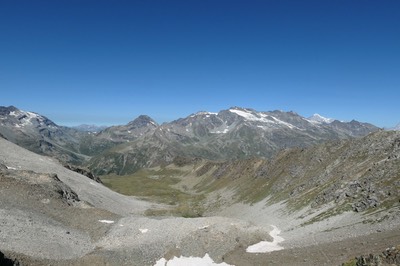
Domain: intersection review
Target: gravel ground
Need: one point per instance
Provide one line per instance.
(41, 237)
(148, 240)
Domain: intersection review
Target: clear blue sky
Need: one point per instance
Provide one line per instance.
(106, 62)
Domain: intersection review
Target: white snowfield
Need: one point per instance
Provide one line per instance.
(261, 117)
(190, 261)
(265, 246)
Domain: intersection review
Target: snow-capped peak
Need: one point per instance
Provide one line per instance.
(316, 118)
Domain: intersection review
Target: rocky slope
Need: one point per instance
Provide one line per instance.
(236, 133)
(391, 256)
(355, 175)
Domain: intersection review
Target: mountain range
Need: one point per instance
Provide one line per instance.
(89, 128)
(236, 133)
(329, 189)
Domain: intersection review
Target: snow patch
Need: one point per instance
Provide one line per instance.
(185, 261)
(33, 115)
(207, 114)
(203, 227)
(220, 130)
(143, 231)
(226, 130)
(106, 221)
(11, 168)
(266, 246)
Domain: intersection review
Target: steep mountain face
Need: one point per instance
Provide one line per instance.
(230, 134)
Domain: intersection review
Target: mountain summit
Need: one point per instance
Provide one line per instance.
(320, 119)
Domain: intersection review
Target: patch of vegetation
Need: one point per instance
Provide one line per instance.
(156, 186)
(352, 262)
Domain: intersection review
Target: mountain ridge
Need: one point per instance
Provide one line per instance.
(234, 133)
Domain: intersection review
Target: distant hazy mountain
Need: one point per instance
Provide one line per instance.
(230, 134)
(89, 128)
(397, 127)
(131, 131)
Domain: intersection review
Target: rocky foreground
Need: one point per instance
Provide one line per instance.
(50, 215)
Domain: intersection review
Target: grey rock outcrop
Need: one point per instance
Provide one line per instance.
(83, 171)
